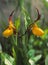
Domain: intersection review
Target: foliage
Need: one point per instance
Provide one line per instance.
(24, 48)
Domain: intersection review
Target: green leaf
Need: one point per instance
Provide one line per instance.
(31, 62)
(31, 53)
(46, 60)
(14, 53)
(26, 23)
(7, 59)
(17, 23)
(45, 36)
(26, 16)
(38, 57)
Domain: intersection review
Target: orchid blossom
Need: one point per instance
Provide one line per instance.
(11, 28)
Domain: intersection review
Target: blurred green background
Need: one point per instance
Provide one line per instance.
(34, 51)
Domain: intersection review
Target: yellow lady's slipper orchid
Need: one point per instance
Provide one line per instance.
(11, 28)
(37, 31)
(8, 32)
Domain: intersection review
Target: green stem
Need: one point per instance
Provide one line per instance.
(15, 48)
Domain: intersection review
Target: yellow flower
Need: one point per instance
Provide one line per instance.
(36, 30)
(11, 28)
(8, 32)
